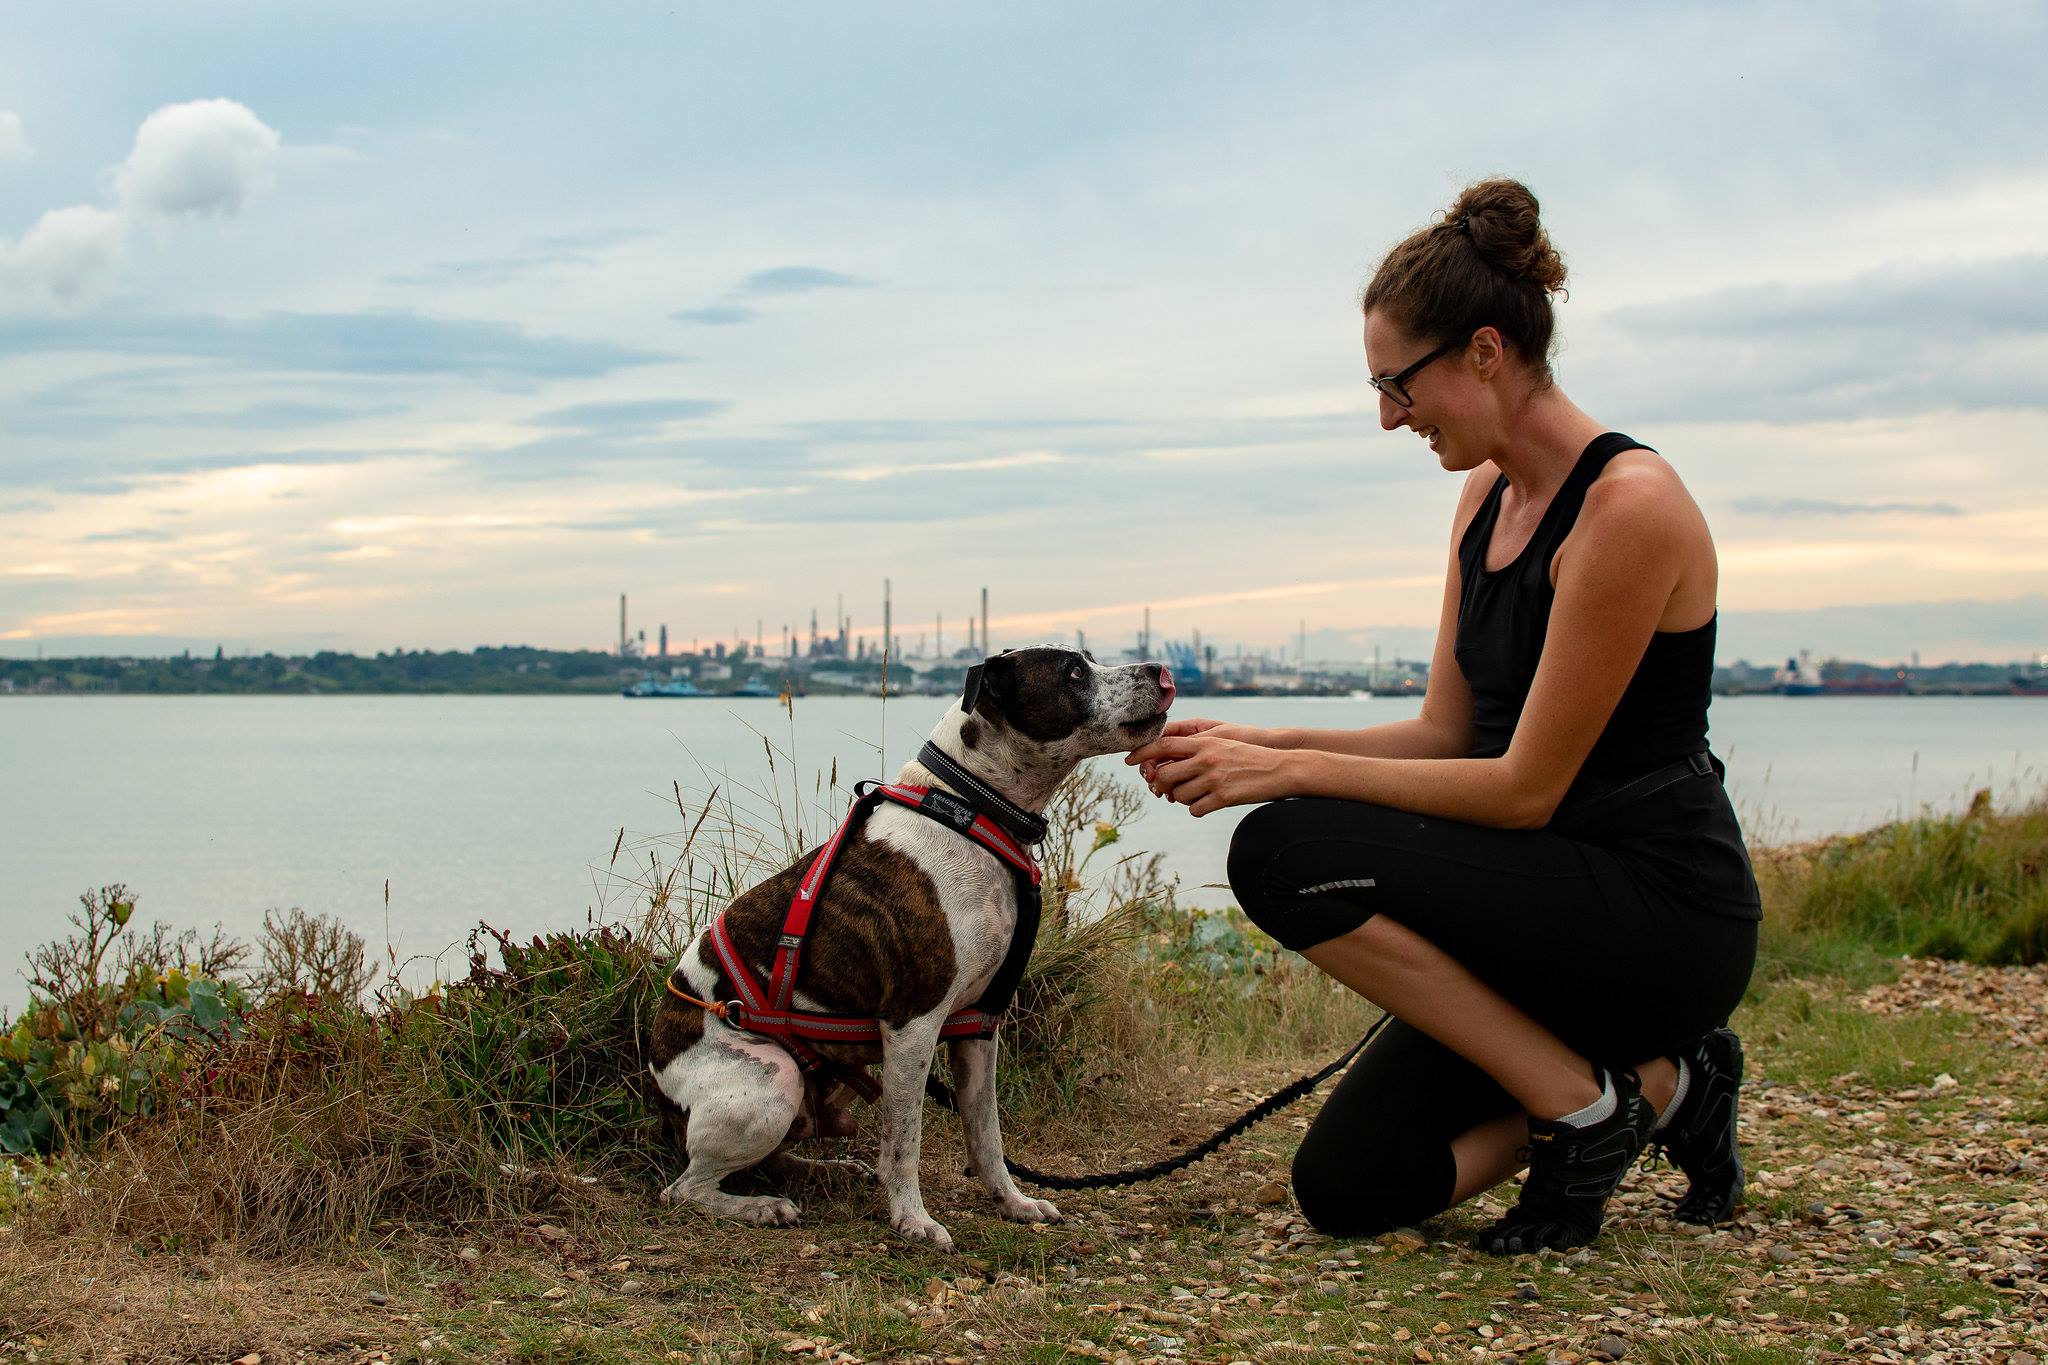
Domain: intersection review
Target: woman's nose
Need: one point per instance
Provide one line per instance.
(1392, 414)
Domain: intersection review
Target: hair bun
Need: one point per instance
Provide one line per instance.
(1500, 217)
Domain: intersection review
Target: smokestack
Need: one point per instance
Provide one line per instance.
(888, 642)
(622, 625)
(1145, 642)
(984, 620)
(664, 639)
(814, 632)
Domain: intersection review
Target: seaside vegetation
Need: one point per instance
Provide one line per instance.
(294, 1098)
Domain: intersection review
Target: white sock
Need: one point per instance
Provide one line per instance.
(1598, 1110)
(1677, 1097)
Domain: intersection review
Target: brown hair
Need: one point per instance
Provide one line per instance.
(1489, 263)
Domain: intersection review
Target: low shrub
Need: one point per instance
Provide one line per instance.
(108, 1027)
(1966, 886)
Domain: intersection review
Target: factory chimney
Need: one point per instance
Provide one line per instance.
(984, 620)
(622, 625)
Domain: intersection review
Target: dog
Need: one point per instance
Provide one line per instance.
(914, 923)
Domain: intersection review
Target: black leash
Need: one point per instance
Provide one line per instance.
(1136, 1175)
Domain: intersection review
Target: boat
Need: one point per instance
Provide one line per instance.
(664, 687)
(2031, 682)
(1798, 678)
(754, 687)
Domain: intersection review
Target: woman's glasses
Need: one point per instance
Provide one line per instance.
(1394, 387)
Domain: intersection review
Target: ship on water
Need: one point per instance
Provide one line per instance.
(1799, 678)
(663, 687)
(2032, 682)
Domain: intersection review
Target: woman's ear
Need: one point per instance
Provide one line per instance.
(1488, 352)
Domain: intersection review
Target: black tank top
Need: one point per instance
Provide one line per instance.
(1504, 615)
(1682, 835)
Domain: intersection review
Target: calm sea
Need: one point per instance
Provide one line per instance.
(507, 809)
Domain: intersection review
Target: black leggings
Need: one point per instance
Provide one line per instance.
(1569, 931)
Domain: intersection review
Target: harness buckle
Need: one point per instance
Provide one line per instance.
(791, 940)
(1701, 764)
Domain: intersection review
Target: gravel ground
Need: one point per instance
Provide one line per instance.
(1897, 1138)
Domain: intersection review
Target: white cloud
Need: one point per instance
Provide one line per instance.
(67, 256)
(205, 158)
(14, 144)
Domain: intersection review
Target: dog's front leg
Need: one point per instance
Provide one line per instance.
(974, 1073)
(907, 1055)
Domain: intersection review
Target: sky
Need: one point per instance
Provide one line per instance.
(382, 325)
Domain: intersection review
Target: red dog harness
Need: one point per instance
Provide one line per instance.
(771, 1012)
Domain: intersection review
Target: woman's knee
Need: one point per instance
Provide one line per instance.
(1254, 845)
(1354, 1185)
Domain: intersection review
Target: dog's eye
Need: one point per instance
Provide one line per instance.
(1078, 673)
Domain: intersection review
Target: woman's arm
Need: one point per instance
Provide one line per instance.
(1627, 553)
(1443, 730)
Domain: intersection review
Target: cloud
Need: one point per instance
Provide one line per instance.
(14, 144)
(1958, 300)
(630, 418)
(207, 158)
(537, 254)
(718, 315)
(341, 343)
(796, 279)
(67, 255)
(1912, 337)
(1828, 507)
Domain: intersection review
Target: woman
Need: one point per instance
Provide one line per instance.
(1539, 877)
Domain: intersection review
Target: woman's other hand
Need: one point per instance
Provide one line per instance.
(1208, 768)
(1195, 725)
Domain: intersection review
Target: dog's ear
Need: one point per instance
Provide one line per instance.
(991, 686)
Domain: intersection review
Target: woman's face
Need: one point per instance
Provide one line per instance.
(1445, 396)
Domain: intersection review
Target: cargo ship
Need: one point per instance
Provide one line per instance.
(1799, 678)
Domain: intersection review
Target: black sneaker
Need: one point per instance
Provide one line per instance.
(1572, 1170)
(1701, 1136)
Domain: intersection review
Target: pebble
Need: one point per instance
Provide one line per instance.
(1525, 1291)
(469, 1255)
(379, 1298)
(1782, 1254)
(633, 1287)
(1272, 1192)
(1610, 1348)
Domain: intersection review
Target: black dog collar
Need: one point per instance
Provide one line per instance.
(1018, 823)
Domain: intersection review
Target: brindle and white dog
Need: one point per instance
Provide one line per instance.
(913, 926)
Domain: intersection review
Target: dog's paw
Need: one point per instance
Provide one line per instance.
(769, 1213)
(920, 1228)
(1023, 1209)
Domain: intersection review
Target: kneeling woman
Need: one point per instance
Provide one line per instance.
(1540, 877)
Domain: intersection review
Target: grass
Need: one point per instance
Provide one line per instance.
(330, 1145)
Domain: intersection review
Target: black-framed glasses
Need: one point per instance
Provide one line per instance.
(1394, 387)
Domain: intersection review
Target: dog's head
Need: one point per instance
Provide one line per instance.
(1061, 706)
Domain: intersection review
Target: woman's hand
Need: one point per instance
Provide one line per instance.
(1206, 769)
(1196, 725)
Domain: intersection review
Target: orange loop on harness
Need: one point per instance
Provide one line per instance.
(708, 1006)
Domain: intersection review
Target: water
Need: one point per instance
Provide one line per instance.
(506, 809)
